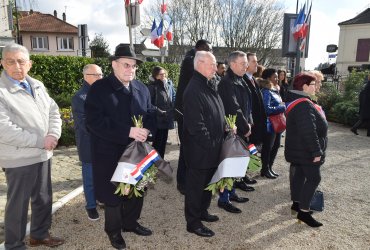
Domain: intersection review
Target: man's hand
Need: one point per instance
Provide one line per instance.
(50, 142)
(138, 134)
(249, 132)
(317, 159)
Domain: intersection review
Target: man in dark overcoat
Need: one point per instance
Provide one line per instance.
(186, 73)
(110, 105)
(204, 126)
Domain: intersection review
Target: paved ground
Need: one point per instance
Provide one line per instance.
(265, 222)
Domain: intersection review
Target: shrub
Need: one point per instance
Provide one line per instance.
(68, 133)
(328, 96)
(346, 112)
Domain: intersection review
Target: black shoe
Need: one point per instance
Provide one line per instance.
(295, 208)
(181, 189)
(229, 207)
(139, 230)
(354, 131)
(117, 241)
(203, 231)
(238, 199)
(308, 219)
(267, 174)
(92, 214)
(243, 186)
(274, 173)
(209, 218)
(249, 181)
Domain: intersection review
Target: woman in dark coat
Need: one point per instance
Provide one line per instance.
(273, 106)
(364, 110)
(163, 95)
(283, 83)
(305, 145)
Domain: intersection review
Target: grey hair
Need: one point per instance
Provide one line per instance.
(200, 55)
(87, 67)
(13, 47)
(233, 56)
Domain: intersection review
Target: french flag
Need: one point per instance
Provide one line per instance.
(252, 149)
(297, 29)
(169, 32)
(144, 164)
(153, 32)
(159, 42)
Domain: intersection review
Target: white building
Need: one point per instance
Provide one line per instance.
(354, 43)
(5, 24)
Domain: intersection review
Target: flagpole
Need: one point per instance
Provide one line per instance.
(297, 51)
(129, 23)
(162, 56)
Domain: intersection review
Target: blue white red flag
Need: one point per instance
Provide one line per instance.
(298, 24)
(153, 32)
(252, 149)
(159, 42)
(144, 164)
(169, 32)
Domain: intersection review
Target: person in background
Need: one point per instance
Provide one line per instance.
(204, 130)
(364, 108)
(163, 96)
(305, 145)
(221, 69)
(236, 98)
(273, 106)
(283, 83)
(30, 127)
(319, 77)
(110, 106)
(186, 73)
(258, 74)
(91, 73)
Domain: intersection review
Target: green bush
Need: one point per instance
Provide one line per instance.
(346, 112)
(328, 96)
(62, 76)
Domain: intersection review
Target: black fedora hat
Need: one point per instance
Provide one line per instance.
(124, 51)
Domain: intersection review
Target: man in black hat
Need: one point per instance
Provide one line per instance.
(110, 105)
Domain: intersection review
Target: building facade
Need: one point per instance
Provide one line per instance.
(5, 24)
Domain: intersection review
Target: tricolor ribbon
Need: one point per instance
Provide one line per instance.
(252, 149)
(144, 164)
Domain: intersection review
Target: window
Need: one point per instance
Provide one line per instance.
(39, 43)
(363, 49)
(65, 43)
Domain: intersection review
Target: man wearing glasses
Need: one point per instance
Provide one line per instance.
(91, 73)
(110, 105)
(30, 127)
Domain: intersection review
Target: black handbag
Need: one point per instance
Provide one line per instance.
(317, 202)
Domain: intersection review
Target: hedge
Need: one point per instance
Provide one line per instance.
(62, 76)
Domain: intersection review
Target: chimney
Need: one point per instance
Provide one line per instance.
(64, 16)
(55, 13)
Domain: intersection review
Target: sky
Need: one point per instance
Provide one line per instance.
(107, 17)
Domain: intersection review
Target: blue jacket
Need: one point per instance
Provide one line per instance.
(109, 110)
(273, 105)
(79, 117)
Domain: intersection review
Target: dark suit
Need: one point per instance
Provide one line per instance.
(109, 109)
(259, 129)
(204, 126)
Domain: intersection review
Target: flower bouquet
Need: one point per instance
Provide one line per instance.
(138, 167)
(234, 160)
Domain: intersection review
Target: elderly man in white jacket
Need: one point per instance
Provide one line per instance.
(30, 127)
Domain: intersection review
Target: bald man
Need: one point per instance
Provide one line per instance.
(91, 73)
(204, 127)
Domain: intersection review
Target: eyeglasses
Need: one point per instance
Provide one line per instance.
(96, 75)
(127, 66)
(11, 62)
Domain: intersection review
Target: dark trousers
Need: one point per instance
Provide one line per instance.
(181, 167)
(197, 200)
(305, 180)
(360, 123)
(25, 183)
(123, 216)
(160, 140)
(270, 148)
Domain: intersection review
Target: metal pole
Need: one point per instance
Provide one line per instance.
(16, 18)
(129, 22)
(298, 58)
